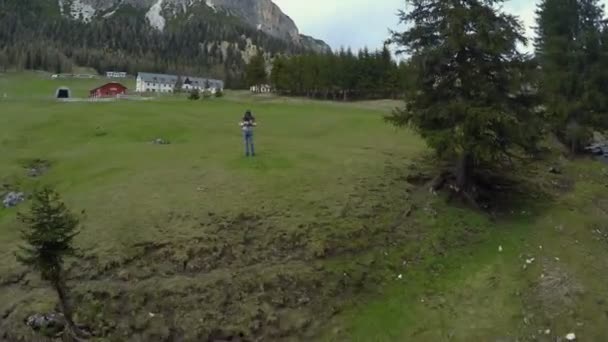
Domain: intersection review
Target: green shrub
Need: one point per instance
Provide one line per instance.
(194, 95)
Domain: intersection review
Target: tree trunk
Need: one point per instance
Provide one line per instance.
(573, 146)
(464, 171)
(465, 178)
(66, 308)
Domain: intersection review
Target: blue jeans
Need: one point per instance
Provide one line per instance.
(249, 149)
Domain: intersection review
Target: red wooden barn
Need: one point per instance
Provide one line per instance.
(111, 89)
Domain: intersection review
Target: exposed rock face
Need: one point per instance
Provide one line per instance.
(314, 44)
(264, 15)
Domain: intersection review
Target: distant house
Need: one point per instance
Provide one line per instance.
(161, 83)
(261, 88)
(116, 74)
(111, 89)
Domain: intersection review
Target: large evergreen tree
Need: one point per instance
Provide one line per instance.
(569, 50)
(472, 101)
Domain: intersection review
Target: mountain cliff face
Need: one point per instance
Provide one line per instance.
(263, 15)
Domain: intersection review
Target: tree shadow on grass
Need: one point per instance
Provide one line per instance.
(510, 187)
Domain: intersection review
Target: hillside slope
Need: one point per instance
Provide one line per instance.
(215, 37)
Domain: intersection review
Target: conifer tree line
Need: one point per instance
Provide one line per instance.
(572, 54)
(33, 35)
(337, 76)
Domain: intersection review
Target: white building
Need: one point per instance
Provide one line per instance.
(116, 74)
(261, 88)
(160, 83)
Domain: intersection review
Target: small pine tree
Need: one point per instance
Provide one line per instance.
(49, 232)
(194, 95)
(179, 84)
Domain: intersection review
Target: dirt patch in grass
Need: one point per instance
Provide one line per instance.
(557, 290)
(243, 279)
(36, 167)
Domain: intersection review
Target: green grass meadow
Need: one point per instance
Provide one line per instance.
(321, 236)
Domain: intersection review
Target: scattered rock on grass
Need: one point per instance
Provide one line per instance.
(51, 324)
(598, 146)
(12, 199)
(555, 170)
(100, 132)
(37, 167)
(571, 337)
(161, 141)
(599, 149)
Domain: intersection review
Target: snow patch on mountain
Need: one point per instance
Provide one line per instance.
(80, 10)
(61, 6)
(109, 14)
(155, 17)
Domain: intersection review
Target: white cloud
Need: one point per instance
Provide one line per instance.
(359, 23)
(355, 23)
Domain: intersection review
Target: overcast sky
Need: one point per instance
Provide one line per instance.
(359, 23)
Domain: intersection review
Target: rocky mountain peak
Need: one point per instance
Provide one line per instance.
(264, 15)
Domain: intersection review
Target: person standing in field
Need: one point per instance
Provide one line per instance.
(247, 125)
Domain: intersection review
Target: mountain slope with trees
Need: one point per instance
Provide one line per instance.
(198, 38)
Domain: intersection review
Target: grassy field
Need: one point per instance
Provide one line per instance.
(326, 235)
